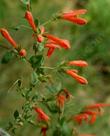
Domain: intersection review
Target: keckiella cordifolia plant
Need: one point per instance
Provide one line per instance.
(51, 118)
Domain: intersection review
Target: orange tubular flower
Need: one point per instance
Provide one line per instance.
(93, 116)
(7, 36)
(72, 16)
(80, 117)
(39, 37)
(43, 131)
(41, 115)
(61, 42)
(50, 51)
(30, 19)
(80, 79)
(97, 106)
(80, 63)
(51, 45)
(22, 52)
(61, 100)
(88, 116)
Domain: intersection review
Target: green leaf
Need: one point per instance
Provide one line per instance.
(35, 47)
(34, 78)
(35, 97)
(53, 108)
(57, 132)
(36, 22)
(41, 47)
(66, 130)
(52, 88)
(36, 61)
(16, 114)
(62, 121)
(7, 57)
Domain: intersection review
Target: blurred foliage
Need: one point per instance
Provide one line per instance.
(90, 42)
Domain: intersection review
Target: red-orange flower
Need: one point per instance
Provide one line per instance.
(80, 63)
(88, 116)
(22, 52)
(41, 115)
(50, 51)
(80, 79)
(8, 37)
(54, 42)
(93, 115)
(61, 42)
(72, 16)
(63, 96)
(61, 100)
(39, 37)
(44, 130)
(80, 117)
(97, 106)
(90, 113)
(51, 47)
(30, 19)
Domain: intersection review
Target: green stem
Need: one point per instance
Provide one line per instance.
(48, 68)
(49, 21)
(26, 27)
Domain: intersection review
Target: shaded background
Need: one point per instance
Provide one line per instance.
(90, 42)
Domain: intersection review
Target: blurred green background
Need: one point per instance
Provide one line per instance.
(90, 42)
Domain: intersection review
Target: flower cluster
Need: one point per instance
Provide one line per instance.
(90, 113)
(52, 42)
(74, 73)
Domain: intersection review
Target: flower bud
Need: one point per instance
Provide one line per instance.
(22, 52)
(8, 37)
(30, 20)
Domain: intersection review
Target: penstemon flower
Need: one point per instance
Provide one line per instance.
(61, 42)
(8, 37)
(30, 19)
(88, 116)
(51, 47)
(44, 130)
(54, 42)
(93, 115)
(73, 16)
(50, 51)
(41, 115)
(80, 79)
(97, 106)
(61, 100)
(80, 117)
(39, 37)
(22, 52)
(79, 63)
